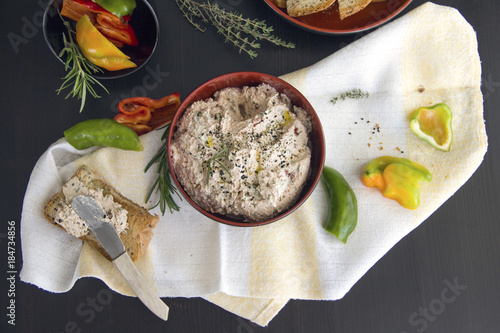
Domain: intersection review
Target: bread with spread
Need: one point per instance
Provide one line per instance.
(346, 8)
(133, 223)
(351, 7)
(305, 7)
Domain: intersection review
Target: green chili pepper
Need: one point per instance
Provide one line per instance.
(342, 204)
(118, 7)
(102, 132)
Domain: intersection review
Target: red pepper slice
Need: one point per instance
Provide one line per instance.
(140, 116)
(147, 111)
(139, 129)
(117, 30)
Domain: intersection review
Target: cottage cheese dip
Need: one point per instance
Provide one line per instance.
(243, 153)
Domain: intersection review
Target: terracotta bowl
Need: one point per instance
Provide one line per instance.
(327, 22)
(240, 79)
(143, 20)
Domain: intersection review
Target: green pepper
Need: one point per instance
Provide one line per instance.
(396, 178)
(102, 132)
(342, 215)
(118, 7)
(433, 124)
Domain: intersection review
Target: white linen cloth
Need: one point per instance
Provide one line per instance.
(426, 57)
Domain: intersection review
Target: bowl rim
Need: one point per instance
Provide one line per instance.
(101, 76)
(191, 98)
(325, 31)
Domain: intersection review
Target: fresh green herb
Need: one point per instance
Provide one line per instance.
(163, 183)
(79, 78)
(223, 154)
(353, 94)
(231, 25)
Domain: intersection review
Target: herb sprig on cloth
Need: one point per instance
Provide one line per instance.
(241, 32)
(79, 77)
(163, 183)
(353, 94)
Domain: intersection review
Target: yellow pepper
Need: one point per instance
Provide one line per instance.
(98, 49)
(396, 178)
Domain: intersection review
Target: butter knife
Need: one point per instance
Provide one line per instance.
(91, 212)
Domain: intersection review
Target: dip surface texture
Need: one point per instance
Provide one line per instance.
(243, 153)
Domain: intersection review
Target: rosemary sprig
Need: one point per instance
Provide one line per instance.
(353, 94)
(223, 154)
(79, 78)
(163, 183)
(233, 26)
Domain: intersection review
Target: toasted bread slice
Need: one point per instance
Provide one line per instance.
(140, 222)
(351, 7)
(305, 7)
(280, 3)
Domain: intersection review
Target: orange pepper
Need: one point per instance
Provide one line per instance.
(98, 49)
(397, 179)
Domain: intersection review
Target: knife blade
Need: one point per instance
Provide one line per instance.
(91, 212)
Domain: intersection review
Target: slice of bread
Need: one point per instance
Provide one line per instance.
(305, 7)
(351, 7)
(280, 3)
(140, 222)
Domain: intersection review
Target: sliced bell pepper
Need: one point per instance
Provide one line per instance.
(117, 32)
(118, 7)
(433, 124)
(147, 112)
(98, 50)
(396, 178)
(115, 29)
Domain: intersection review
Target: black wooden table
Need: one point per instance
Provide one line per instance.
(456, 249)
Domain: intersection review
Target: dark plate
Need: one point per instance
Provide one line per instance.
(328, 21)
(143, 20)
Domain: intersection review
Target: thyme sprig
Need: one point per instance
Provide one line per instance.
(163, 183)
(353, 94)
(241, 32)
(222, 154)
(79, 78)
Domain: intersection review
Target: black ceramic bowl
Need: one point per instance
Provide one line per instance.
(143, 20)
(241, 79)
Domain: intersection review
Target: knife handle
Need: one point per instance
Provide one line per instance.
(138, 284)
